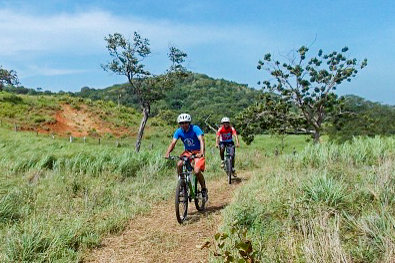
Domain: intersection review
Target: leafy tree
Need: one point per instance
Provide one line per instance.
(310, 84)
(7, 77)
(362, 117)
(147, 88)
(273, 114)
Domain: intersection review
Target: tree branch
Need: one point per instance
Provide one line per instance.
(211, 127)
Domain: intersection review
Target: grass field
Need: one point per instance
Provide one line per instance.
(327, 203)
(58, 199)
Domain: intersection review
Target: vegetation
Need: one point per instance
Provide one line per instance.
(273, 114)
(41, 113)
(127, 61)
(60, 200)
(7, 77)
(205, 98)
(310, 86)
(323, 203)
(328, 203)
(362, 117)
(28, 112)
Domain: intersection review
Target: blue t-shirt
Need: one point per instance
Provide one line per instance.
(189, 138)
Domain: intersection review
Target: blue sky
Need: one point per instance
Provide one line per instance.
(59, 44)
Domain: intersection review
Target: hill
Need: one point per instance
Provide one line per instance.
(201, 96)
(362, 117)
(63, 114)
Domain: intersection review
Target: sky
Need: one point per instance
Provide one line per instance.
(59, 44)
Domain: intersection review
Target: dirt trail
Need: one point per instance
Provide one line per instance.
(157, 237)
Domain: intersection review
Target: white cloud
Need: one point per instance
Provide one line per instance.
(45, 71)
(38, 46)
(24, 34)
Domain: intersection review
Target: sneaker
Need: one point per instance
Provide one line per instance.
(234, 172)
(222, 164)
(205, 194)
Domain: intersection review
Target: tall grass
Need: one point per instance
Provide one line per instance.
(58, 199)
(327, 203)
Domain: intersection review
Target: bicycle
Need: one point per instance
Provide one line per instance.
(187, 189)
(228, 160)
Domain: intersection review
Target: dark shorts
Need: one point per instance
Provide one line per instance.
(222, 146)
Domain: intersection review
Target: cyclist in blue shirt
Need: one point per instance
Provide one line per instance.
(192, 137)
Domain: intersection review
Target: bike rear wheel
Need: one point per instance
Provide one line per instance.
(230, 169)
(199, 200)
(181, 201)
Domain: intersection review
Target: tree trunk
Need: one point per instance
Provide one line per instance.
(316, 136)
(146, 111)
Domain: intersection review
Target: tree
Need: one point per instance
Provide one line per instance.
(127, 60)
(362, 117)
(7, 77)
(310, 85)
(273, 114)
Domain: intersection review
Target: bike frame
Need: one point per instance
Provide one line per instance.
(190, 178)
(228, 154)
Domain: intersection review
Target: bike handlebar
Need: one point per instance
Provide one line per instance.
(174, 157)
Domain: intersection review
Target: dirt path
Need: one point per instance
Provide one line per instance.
(158, 237)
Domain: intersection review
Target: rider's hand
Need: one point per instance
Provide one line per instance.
(199, 155)
(167, 155)
(237, 144)
(217, 146)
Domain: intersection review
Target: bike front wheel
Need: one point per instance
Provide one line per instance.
(230, 170)
(181, 201)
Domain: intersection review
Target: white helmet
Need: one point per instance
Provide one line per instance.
(184, 117)
(225, 119)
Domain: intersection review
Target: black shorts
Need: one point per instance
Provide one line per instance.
(222, 146)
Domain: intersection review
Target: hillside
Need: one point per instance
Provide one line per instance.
(197, 94)
(66, 115)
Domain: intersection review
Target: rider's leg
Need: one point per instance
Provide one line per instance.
(200, 177)
(222, 151)
(234, 154)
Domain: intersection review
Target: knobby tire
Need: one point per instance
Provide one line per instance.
(230, 170)
(181, 201)
(199, 201)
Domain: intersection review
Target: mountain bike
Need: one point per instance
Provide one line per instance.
(188, 189)
(228, 159)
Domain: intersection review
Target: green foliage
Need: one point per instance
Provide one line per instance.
(310, 84)
(272, 114)
(7, 77)
(127, 61)
(362, 117)
(27, 111)
(246, 252)
(324, 189)
(197, 94)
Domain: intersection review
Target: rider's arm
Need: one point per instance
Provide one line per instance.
(234, 133)
(201, 140)
(171, 147)
(237, 140)
(217, 138)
